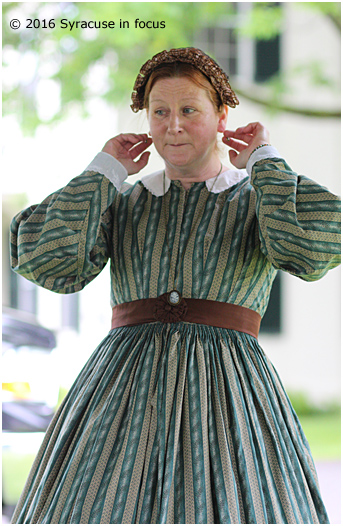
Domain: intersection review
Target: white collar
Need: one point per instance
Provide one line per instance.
(154, 181)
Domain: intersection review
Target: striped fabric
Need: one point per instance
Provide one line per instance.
(177, 423)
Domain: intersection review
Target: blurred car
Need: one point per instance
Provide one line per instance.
(29, 396)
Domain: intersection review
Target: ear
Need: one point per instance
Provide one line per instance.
(223, 119)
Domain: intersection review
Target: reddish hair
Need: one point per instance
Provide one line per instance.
(182, 69)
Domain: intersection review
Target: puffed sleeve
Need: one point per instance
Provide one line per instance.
(64, 242)
(298, 220)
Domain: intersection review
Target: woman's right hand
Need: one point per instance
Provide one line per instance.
(126, 147)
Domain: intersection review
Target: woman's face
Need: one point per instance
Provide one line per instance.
(183, 123)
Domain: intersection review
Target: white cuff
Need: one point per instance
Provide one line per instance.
(265, 152)
(107, 165)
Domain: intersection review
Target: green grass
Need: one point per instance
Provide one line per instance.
(323, 432)
(321, 425)
(15, 470)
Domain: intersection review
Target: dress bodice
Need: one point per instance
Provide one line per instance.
(224, 246)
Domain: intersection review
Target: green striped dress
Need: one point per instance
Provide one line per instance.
(177, 422)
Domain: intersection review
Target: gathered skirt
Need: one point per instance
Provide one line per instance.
(174, 423)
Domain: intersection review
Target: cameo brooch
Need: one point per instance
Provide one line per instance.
(170, 307)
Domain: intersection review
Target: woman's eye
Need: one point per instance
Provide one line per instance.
(159, 112)
(189, 110)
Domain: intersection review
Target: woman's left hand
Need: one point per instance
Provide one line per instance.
(244, 141)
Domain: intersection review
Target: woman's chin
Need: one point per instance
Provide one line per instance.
(177, 160)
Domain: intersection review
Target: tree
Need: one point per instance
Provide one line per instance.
(265, 21)
(76, 64)
(83, 62)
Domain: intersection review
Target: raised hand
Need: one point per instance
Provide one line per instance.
(126, 147)
(243, 141)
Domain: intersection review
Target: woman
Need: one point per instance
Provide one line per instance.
(178, 416)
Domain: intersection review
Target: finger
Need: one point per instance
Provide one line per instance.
(236, 145)
(232, 155)
(252, 127)
(146, 143)
(133, 137)
(238, 135)
(130, 145)
(137, 149)
(229, 133)
(242, 139)
(240, 143)
(256, 129)
(142, 161)
(130, 138)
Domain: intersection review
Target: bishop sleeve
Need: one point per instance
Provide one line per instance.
(298, 220)
(63, 243)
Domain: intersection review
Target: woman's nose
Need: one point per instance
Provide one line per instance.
(175, 123)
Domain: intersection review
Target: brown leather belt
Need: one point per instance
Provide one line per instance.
(207, 312)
